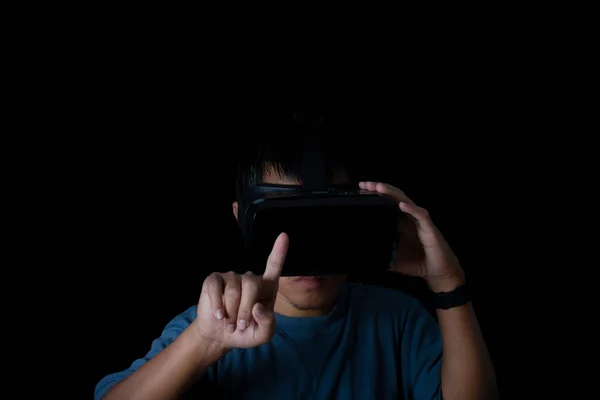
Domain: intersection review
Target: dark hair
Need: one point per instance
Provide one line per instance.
(283, 154)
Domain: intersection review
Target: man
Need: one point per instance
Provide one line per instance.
(319, 338)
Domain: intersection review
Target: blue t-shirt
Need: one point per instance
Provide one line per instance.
(376, 343)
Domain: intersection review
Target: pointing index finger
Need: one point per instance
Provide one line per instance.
(276, 258)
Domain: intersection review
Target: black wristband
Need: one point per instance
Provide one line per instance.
(455, 298)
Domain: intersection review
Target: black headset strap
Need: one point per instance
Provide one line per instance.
(313, 169)
(313, 166)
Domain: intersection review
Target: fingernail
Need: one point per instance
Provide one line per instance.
(230, 328)
(219, 314)
(242, 324)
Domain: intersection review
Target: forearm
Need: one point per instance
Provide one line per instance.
(467, 371)
(170, 372)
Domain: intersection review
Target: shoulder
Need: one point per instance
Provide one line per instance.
(171, 331)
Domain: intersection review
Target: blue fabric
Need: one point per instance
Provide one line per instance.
(376, 343)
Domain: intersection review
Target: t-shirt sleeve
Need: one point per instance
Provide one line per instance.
(422, 354)
(173, 329)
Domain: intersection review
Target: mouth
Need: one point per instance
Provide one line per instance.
(311, 282)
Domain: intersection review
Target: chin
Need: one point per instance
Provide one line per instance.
(310, 292)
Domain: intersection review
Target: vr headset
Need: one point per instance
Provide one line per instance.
(332, 229)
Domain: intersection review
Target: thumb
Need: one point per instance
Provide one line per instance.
(263, 316)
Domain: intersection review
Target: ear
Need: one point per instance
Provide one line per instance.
(234, 206)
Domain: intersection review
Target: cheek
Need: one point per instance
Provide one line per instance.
(285, 284)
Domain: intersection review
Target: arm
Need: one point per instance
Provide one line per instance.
(172, 358)
(199, 337)
(170, 372)
(467, 371)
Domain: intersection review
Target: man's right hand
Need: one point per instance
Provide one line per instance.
(236, 311)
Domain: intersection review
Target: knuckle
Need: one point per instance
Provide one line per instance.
(212, 277)
(250, 280)
(211, 281)
(232, 278)
(212, 285)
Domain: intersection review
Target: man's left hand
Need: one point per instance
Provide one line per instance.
(421, 249)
